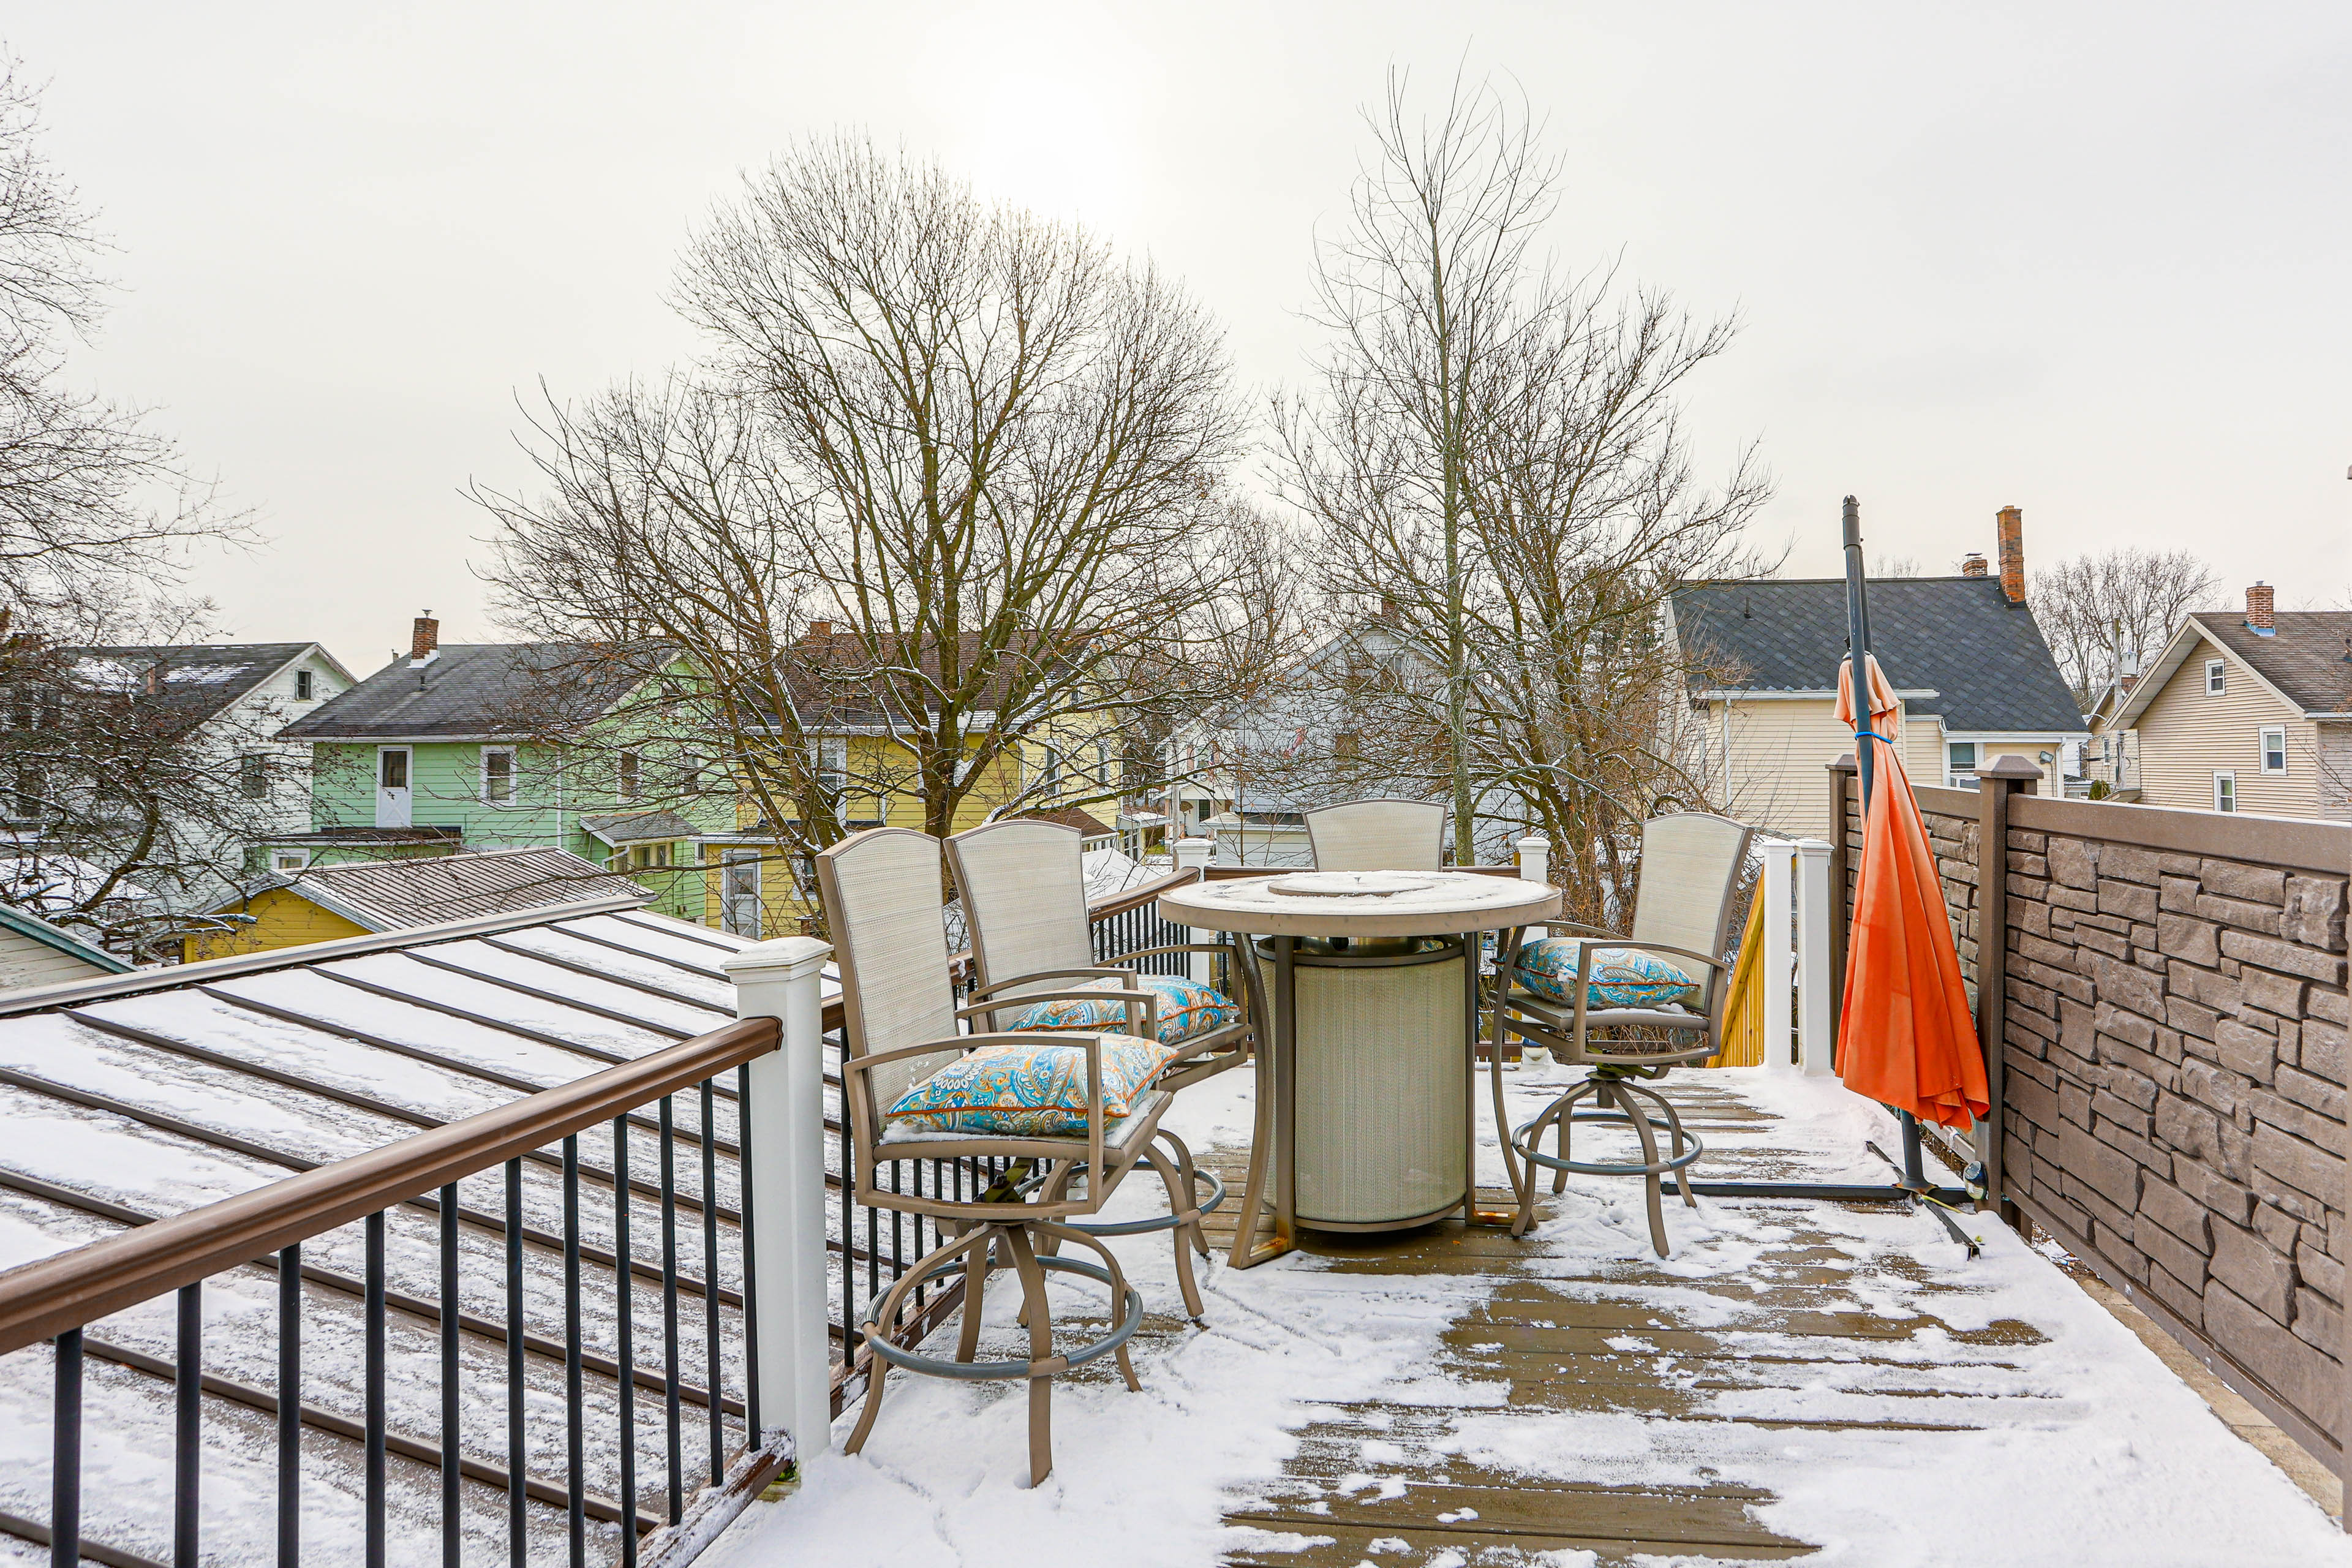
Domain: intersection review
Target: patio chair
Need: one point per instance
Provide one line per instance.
(1024, 902)
(881, 892)
(1603, 1006)
(1383, 834)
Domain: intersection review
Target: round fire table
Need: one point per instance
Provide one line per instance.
(1364, 1103)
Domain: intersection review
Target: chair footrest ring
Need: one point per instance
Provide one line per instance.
(1520, 1141)
(982, 1370)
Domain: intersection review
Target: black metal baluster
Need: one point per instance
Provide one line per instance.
(188, 1454)
(670, 1412)
(574, 1428)
(848, 1240)
(747, 1229)
(65, 1462)
(518, 1450)
(289, 1407)
(710, 1273)
(452, 1514)
(625, 1342)
(374, 1316)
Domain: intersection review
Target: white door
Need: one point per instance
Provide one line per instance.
(392, 789)
(740, 898)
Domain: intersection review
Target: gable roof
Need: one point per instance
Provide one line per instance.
(1981, 659)
(403, 895)
(838, 682)
(475, 692)
(193, 682)
(63, 941)
(2306, 661)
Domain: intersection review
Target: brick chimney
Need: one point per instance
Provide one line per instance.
(425, 639)
(1973, 566)
(2260, 602)
(2010, 529)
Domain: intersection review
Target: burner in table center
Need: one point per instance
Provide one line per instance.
(1351, 884)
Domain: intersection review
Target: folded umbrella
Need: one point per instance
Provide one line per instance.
(1905, 1037)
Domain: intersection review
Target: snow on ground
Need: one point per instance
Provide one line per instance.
(2091, 1451)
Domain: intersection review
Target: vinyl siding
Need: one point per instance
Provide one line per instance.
(281, 918)
(2335, 772)
(1778, 755)
(2187, 734)
(27, 961)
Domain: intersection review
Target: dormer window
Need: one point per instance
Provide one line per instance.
(2216, 682)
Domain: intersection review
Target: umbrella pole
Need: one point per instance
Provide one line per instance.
(1857, 622)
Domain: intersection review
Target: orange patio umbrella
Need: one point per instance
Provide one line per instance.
(1906, 1036)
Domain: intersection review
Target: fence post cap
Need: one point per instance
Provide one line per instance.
(1535, 841)
(2008, 765)
(1812, 847)
(785, 958)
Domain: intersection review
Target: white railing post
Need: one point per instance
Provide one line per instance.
(1779, 961)
(1192, 854)
(1816, 1043)
(785, 1116)
(1535, 863)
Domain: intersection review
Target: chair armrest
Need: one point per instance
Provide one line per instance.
(1147, 1000)
(993, 986)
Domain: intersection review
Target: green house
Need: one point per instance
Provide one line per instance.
(446, 749)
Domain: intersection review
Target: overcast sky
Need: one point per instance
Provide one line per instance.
(2095, 261)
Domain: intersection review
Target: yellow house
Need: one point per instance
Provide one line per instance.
(361, 898)
(2249, 712)
(1976, 680)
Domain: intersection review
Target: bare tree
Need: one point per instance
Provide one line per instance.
(1496, 453)
(951, 478)
(2100, 612)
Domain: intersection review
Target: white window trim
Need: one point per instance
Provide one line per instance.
(514, 790)
(288, 859)
(2263, 739)
(2217, 679)
(2230, 778)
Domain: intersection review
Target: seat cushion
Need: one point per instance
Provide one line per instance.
(1620, 977)
(1029, 1091)
(1186, 1009)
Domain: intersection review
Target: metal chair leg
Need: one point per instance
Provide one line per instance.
(1041, 1349)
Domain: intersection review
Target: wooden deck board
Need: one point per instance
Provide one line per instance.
(1627, 1339)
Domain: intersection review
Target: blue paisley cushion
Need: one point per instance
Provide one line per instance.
(1030, 1091)
(1620, 976)
(1186, 1008)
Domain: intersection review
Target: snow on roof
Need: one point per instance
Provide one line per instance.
(399, 894)
(144, 1095)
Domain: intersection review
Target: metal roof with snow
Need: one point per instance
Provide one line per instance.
(132, 1097)
(401, 895)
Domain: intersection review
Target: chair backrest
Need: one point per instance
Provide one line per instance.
(1690, 868)
(1025, 899)
(881, 891)
(1383, 834)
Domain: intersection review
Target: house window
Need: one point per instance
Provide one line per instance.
(304, 686)
(498, 775)
(2215, 681)
(630, 776)
(831, 755)
(2225, 791)
(1960, 763)
(2274, 749)
(648, 857)
(288, 859)
(253, 775)
(394, 761)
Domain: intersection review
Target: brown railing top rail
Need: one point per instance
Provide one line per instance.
(45, 1298)
(2294, 844)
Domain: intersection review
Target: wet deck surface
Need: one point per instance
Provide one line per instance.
(1374, 1481)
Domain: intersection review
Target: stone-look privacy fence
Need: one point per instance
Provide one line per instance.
(2172, 1089)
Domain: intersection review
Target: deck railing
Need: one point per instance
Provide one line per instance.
(384, 1191)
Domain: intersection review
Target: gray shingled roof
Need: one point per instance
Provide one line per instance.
(196, 680)
(470, 689)
(2308, 656)
(1960, 638)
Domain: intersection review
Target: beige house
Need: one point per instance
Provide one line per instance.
(2249, 712)
(34, 952)
(1975, 677)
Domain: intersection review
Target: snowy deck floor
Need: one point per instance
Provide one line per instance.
(1835, 1384)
